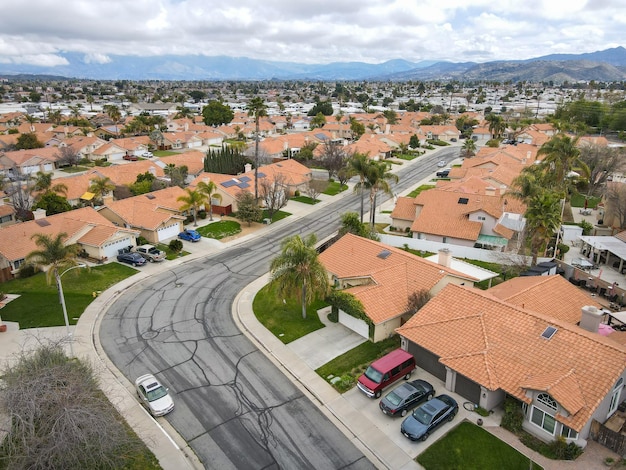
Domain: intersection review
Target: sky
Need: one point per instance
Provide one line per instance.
(37, 32)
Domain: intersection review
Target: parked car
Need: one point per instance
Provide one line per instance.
(428, 416)
(385, 371)
(443, 173)
(131, 158)
(190, 235)
(147, 155)
(406, 397)
(150, 253)
(131, 258)
(154, 396)
(442, 163)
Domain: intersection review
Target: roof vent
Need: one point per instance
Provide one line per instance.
(384, 254)
(548, 333)
(42, 222)
(150, 196)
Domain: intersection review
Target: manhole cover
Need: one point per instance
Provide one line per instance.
(150, 334)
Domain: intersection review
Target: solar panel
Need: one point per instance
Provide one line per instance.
(384, 254)
(261, 175)
(548, 332)
(229, 183)
(243, 185)
(245, 179)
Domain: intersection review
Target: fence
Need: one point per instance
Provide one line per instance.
(615, 441)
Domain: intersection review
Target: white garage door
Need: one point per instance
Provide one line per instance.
(355, 324)
(168, 231)
(110, 249)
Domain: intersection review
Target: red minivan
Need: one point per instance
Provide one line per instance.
(385, 371)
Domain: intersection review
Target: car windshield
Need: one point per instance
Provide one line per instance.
(157, 393)
(373, 375)
(393, 398)
(154, 251)
(422, 416)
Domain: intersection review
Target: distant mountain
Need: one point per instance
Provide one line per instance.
(607, 65)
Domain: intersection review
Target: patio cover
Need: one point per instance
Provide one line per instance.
(614, 245)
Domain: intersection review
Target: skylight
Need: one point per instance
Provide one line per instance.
(463, 200)
(548, 332)
(384, 254)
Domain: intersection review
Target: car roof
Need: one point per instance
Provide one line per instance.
(434, 406)
(146, 246)
(392, 359)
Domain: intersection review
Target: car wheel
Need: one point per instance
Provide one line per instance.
(407, 376)
(134, 265)
(377, 394)
(429, 397)
(451, 417)
(150, 260)
(403, 412)
(424, 437)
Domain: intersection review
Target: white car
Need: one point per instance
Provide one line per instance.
(154, 396)
(441, 164)
(147, 155)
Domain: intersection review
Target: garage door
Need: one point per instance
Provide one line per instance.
(467, 388)
(110, 249)
(168, 231)
(428, 361)
(355, 324)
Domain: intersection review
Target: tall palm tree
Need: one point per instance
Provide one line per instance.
(359, 164)
(54, 254)
(378, 179)
(543, 217)
(101, 186)
(496, 125)
(191, 201)
(114, 113)
(209, 189)
(256, 108)
(43, 183)
(298, 270)
(562, 156)
(469, 148)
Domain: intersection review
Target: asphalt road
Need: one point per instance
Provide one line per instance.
(233, 406)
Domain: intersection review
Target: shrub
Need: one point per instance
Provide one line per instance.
(564, 451)
(142, 241)
(176, 246)
(586, 226)
(202, 214)
(513, 416)
(27, 270)
(296, 193)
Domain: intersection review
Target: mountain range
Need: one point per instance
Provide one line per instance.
(607, 65)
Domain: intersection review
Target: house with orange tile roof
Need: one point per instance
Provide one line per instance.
(383, 279)
(442, 132)
(181, 140)
(28, 162)
(192, 159)
(135, 145)
(371, 145)
(484, 348)
(449, 215)
(155, 215)
(530, 136)
(84, 146)
(97, 237)
(7, 214)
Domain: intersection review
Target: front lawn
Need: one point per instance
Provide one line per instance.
(305, 200)
(350, 365)
(75, 169)
(334, 188)
(407, 156)
(170, 254)
(39, 305)
(284, 319)
(470, 447)
(220, 229)
(419, 189)
(276, 217)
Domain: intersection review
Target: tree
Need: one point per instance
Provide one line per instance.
(257, 109)
(114, 113)
(27, 141)
(359, 164)
(68, 156)
(543, 217)
(216, 114)
(191, 201)
(562, 156)
(350, 223)
(602, 162)
(209, 189)
(333, 157)
(414, 142)
(325, 108)
(315, 187)
(228, 160)
(43, 183)
(20, 194)
(298, 270)
(54, 254)
(357, 128)
(378, 178)
(318, 121)
(247, 208)
(52, 203)
(391, 116)
(273, 192)
(615, 214)
(101, 186)
(496, 125)
(58, 417)
(469, 148)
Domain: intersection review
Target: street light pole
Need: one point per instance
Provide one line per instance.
(62, 297)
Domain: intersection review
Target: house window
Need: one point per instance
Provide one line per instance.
(617, 391)
(568, 433)
(547, 400)
(18, 263)
(482, 217)
(543, 420)
(444, 240)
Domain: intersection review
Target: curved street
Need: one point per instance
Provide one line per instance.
(234, 407)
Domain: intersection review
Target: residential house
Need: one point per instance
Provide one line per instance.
(7, 214)
(180, 140)
(28, 162)
(192, 159)
(97, 237)
(156, 215)
(442, 132)
(485, 348)
(371, 145)
(384, 279)
(136, 145)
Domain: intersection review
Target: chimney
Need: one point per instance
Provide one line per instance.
(490, 191)
(39, 214)
(445, 257)
(591, 318)
(247, 167)
(502, 189)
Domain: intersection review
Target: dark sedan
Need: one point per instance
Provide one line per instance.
(131, 258)
(406, 397)
(427, 417)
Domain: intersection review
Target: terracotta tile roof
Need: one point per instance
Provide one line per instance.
(369, 144)
(404, 209)
(81, 225)
(6, 209)
(550, 295)
(192, 159)
(500, 346)
(393, 273)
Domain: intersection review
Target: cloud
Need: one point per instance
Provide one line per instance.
(96, 58)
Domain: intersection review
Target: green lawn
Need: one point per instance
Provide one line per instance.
(284, 319)
(169, 254)
(350, 365)
(38, 304)
(277, 215)
(305, 200)
(470, 447)
(75, 169)
(578, 200)
(405, 156)
(220, 229)
(334, 188)
(419, 189)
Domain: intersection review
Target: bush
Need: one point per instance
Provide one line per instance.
(513, 416)
(27, 270)
(296, 193)
(176, 246)
(586, 226)
(202, 214)
(564, 451)
(142, 241)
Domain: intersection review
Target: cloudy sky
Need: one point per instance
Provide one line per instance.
(309, 31)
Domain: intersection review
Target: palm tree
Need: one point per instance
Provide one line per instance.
(562, 156)
(192, 200)
(209, 189)
(496, 125)
(298, 270)
(54, 254)
(359, 164)
(257, 109)
(114, 113)
(378, 177)
(543, 217)
(469, 148)
(43, 183)
(101, 186)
